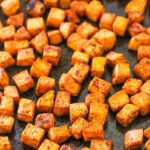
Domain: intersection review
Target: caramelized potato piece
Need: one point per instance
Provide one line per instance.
(143, 51)
(146, 87)
(147, 145)
(5, 143)
(51, 3)
(147, 133)
(64, 4)
(4, 79)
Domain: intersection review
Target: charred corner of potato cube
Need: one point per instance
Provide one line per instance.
(40, 68)
(45, 121)
(106, 38)
(10, 7)
(132, 86)
(51, 3)
(85, 148)
(7, 33)
(47, 144)
(55, 17)
(40, 41)
(146, 87)
(98, 85)
(66, 147)
(5, 143)
(147, 145)
(94, 10)
(114, 58)
(76, 42)
(64, 4)
(98, 66)
(16, 20)
(76, 128)
(107, 20)
(59, 134)
(52, 54)
(4, 79)
(46, 102)
(6, 60)
(44, 84)
(36, 8)
(23, 81)
(55, 37)
(121, 73)
(35, 25)
(32, 135)
(143, 51)
(133, 139)
(6, 124)
(62, 103)
(147, 132)
(142, 69)
(77, 110)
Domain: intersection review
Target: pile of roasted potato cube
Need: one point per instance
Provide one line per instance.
(90, 44)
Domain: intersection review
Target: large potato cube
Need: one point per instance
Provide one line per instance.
(147, 133)
(143, 51)
(146, 87)
(4, 79)
(5, 143)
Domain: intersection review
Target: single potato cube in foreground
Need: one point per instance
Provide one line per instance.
(5, 143)
(143, 51)
(4, 79)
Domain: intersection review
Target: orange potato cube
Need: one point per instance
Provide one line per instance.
(55, 17)
(46, 102)
(147, 145)
(64, 4)
(127, 114)
(148, 31)
(5, 143)
(133, 139)
(32, 135)
(51, 3)
(4, 79)
(66, 147)
(147, 133)
(143, 51)
(1, 25)
(146, 87)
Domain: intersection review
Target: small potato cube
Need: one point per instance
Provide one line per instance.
(23, 81)
(40, 68)
(114, 58)
(40, 41)
(142, 100)
(26, 110)
(62, 103)
(86, 29)
(146, 87)
(85, 148)
(107, 20)
(52, 54)
(147, 133)
(98, 66)
(143, 51)
(55, 37)
(4, 79)
(147, 145)
(77, 110)
(55, 17)
(133, 139)
(76, 128)
(10, 7)
(51, 3)
(64, 4)
(59, 134)
(44, 84)
(11, 91)
(46, 102)
(48, 145)
(132, 86)
(6, 124)
(98, 85)
(35, 25)
(107, 38)
(94, 10)
(6, 60)
(76, 42)
(32, 135)
(45, 121)
(5, 143)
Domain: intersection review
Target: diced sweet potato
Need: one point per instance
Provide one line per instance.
(147, 145)
(64, 4)
(5, 143)
(1, 25)
(147, 133)
(4, 79)
(146, 87)
(143, 51)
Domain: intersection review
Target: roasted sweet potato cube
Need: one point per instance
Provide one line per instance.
(35, 25)
(66, 147)
(40, 68)
(146, 87)
(51, 3)
(52, 54)
(6, 124)
(133, 139)
(85, 148)
(62, 103)
(11, 91)
(107, 20)
(98, 85)
(64, 4)
(147, 133)
(107, 38)
(94, 10)
(10, 7)
(132, 86)
(45, 121)
(36, 8)
(4, 79)
(143, 51)
(59, 134)
(40, 41)
(48, 145)
(114, 58)
(55, 37)
(16, 20)
(32, 135)
(148, 31)
(147, 145)
(143, 101)
(1, 25)
(5, 143)
(76, 42)
(46, 102)
(6, 60)
(127, 114)
(55, 17)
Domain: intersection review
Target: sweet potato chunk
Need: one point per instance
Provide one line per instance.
(147, 145)
(5, 143)
(143, 51)
(51, 3)
(146, 87)
(1, 25)
(147, 133)
(64, 4)
(4, 79)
